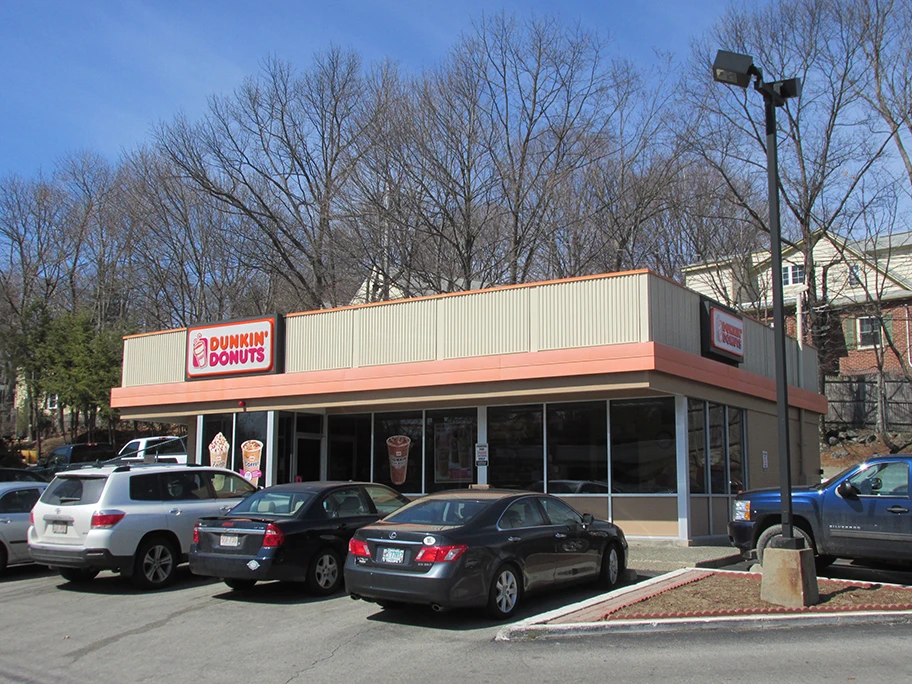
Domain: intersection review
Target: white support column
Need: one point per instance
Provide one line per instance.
(683, 465)
(198, 442)
(483, 439)
(272, 472)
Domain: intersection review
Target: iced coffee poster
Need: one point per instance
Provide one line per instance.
(453, 444)
(397, 452)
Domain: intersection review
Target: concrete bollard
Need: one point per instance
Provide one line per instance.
(789, 578)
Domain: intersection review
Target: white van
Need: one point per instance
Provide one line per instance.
(163, 449)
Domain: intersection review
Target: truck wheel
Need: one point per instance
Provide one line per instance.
(775, 531)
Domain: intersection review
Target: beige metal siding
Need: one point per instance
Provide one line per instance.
(591, 313)
(155, 359)
(320, 341)
(483, 324)
(674, 315)
(397, 333)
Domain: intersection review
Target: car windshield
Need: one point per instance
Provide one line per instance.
(446, 512)
(72, 491)
(280, 503)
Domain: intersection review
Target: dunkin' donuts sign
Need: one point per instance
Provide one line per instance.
(727, 332)
(722, 332)
(232, 348)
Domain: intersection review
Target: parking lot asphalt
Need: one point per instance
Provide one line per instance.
(655, 566)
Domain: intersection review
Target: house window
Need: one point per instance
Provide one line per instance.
(854, 274)
(793, 274)
(868, 332)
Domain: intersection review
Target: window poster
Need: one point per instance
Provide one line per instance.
(454, 444)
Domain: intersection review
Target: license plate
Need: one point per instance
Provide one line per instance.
(59, 527)
(392, 555)
(228, 540)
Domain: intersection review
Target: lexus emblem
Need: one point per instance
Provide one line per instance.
(392, 535)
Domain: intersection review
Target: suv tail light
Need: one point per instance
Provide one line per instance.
(440, 554)
(356, 547)
(273, 536)
(196, 532)
(106, 519)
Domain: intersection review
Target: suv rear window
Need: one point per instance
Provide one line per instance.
(74, 491)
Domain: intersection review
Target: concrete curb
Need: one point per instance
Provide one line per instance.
(537, 627)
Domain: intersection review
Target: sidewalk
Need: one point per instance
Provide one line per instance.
(651, 558)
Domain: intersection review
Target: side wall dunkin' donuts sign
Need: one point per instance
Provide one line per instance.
(232, 348)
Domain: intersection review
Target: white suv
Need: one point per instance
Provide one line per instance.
(135, 519)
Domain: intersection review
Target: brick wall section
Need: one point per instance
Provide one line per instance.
(843, 354)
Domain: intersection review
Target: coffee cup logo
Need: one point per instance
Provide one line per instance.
(218, 451)
(397, 448)
(200, 352)
(251, 451)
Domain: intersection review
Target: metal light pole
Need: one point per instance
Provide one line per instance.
(735, 69)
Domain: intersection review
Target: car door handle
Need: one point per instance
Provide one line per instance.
(560, 535)
(897, 509)
(514, 539)
(225, 509)
(175, 511)
(5, 522)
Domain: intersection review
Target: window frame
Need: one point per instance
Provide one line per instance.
(876, 333)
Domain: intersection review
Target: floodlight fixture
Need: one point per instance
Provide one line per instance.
(734, 69)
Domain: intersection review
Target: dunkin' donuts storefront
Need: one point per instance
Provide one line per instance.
(632, 397)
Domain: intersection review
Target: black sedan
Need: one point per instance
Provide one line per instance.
(293, 532)
(484, 548)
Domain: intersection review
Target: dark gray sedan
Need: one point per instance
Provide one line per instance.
(483, 548)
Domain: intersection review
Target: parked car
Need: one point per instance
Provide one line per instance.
(71, 456)
(134, 519)
(20, 475)
(485, 548)
(161, 449)
(293, 532)
(864, 512)
(16, 501)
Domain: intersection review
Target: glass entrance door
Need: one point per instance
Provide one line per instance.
(307, 461)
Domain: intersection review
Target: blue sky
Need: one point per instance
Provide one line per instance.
(96, 74)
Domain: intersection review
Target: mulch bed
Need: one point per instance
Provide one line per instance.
(720, 593)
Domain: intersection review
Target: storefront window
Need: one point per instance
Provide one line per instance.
(397, 450)
(515, 446)
(735, 432)
(696, 440)
(285, 440)
(717, 471)
(643, 446)
(217, 450)
(250, 446)
(577, 448)
(349, 447)
(450, 451)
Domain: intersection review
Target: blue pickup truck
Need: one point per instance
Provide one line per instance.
(864, 512)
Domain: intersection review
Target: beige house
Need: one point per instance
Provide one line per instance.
(630, 396)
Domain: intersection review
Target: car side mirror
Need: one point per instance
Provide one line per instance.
(847, 490)
(587, 519)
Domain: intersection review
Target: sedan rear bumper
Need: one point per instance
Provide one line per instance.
(439, 586)
(260, 567)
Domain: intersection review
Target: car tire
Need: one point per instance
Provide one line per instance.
(612, 571)
(78, 575)
(156, 563)
(324, 576)
(774, 531)
(505, 592)
(3, 559)
(240, 584)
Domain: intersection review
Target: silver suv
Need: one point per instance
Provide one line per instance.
(135, 519)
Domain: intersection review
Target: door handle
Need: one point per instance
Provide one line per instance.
(513, 539)
(897, 509)
(225, 509)
(560, 535)
(175, 511)
(5, 521)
